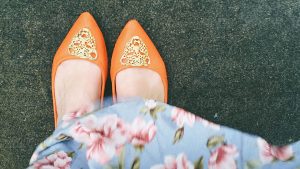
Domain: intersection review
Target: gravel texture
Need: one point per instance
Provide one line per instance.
(233, 62)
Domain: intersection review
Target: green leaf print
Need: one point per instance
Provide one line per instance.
(136, 163)
(122, 159)
(71, 154)
(199, 163)
(63, 137)
(80, 146)
(252, 164)
(111, 167)
(213, 141)
(144, 110)
(178, 135)
(43, 145)
(139, 148)
(153, 111)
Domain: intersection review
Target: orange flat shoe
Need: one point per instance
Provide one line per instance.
(135, 49)
(84, 41)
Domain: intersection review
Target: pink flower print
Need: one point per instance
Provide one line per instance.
(223, 157)
(33, 157)
(59, 160)
(180, 162)
(182, 117)
(70, 116)
(150, 104)
(207, 123)
(104, 136)
(142, 132)
(269, 153)
(78, 113)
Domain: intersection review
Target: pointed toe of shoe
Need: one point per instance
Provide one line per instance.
(134, 48)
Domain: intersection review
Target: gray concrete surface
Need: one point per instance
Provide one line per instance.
(234, 62)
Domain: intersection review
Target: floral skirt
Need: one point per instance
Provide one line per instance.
(147, 134)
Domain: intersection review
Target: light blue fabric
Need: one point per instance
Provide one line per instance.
(191, 141)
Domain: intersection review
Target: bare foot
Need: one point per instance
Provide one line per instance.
(77, 87)
(139, 82)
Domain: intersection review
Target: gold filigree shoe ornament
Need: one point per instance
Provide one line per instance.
(83, 45)
(135, 53)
